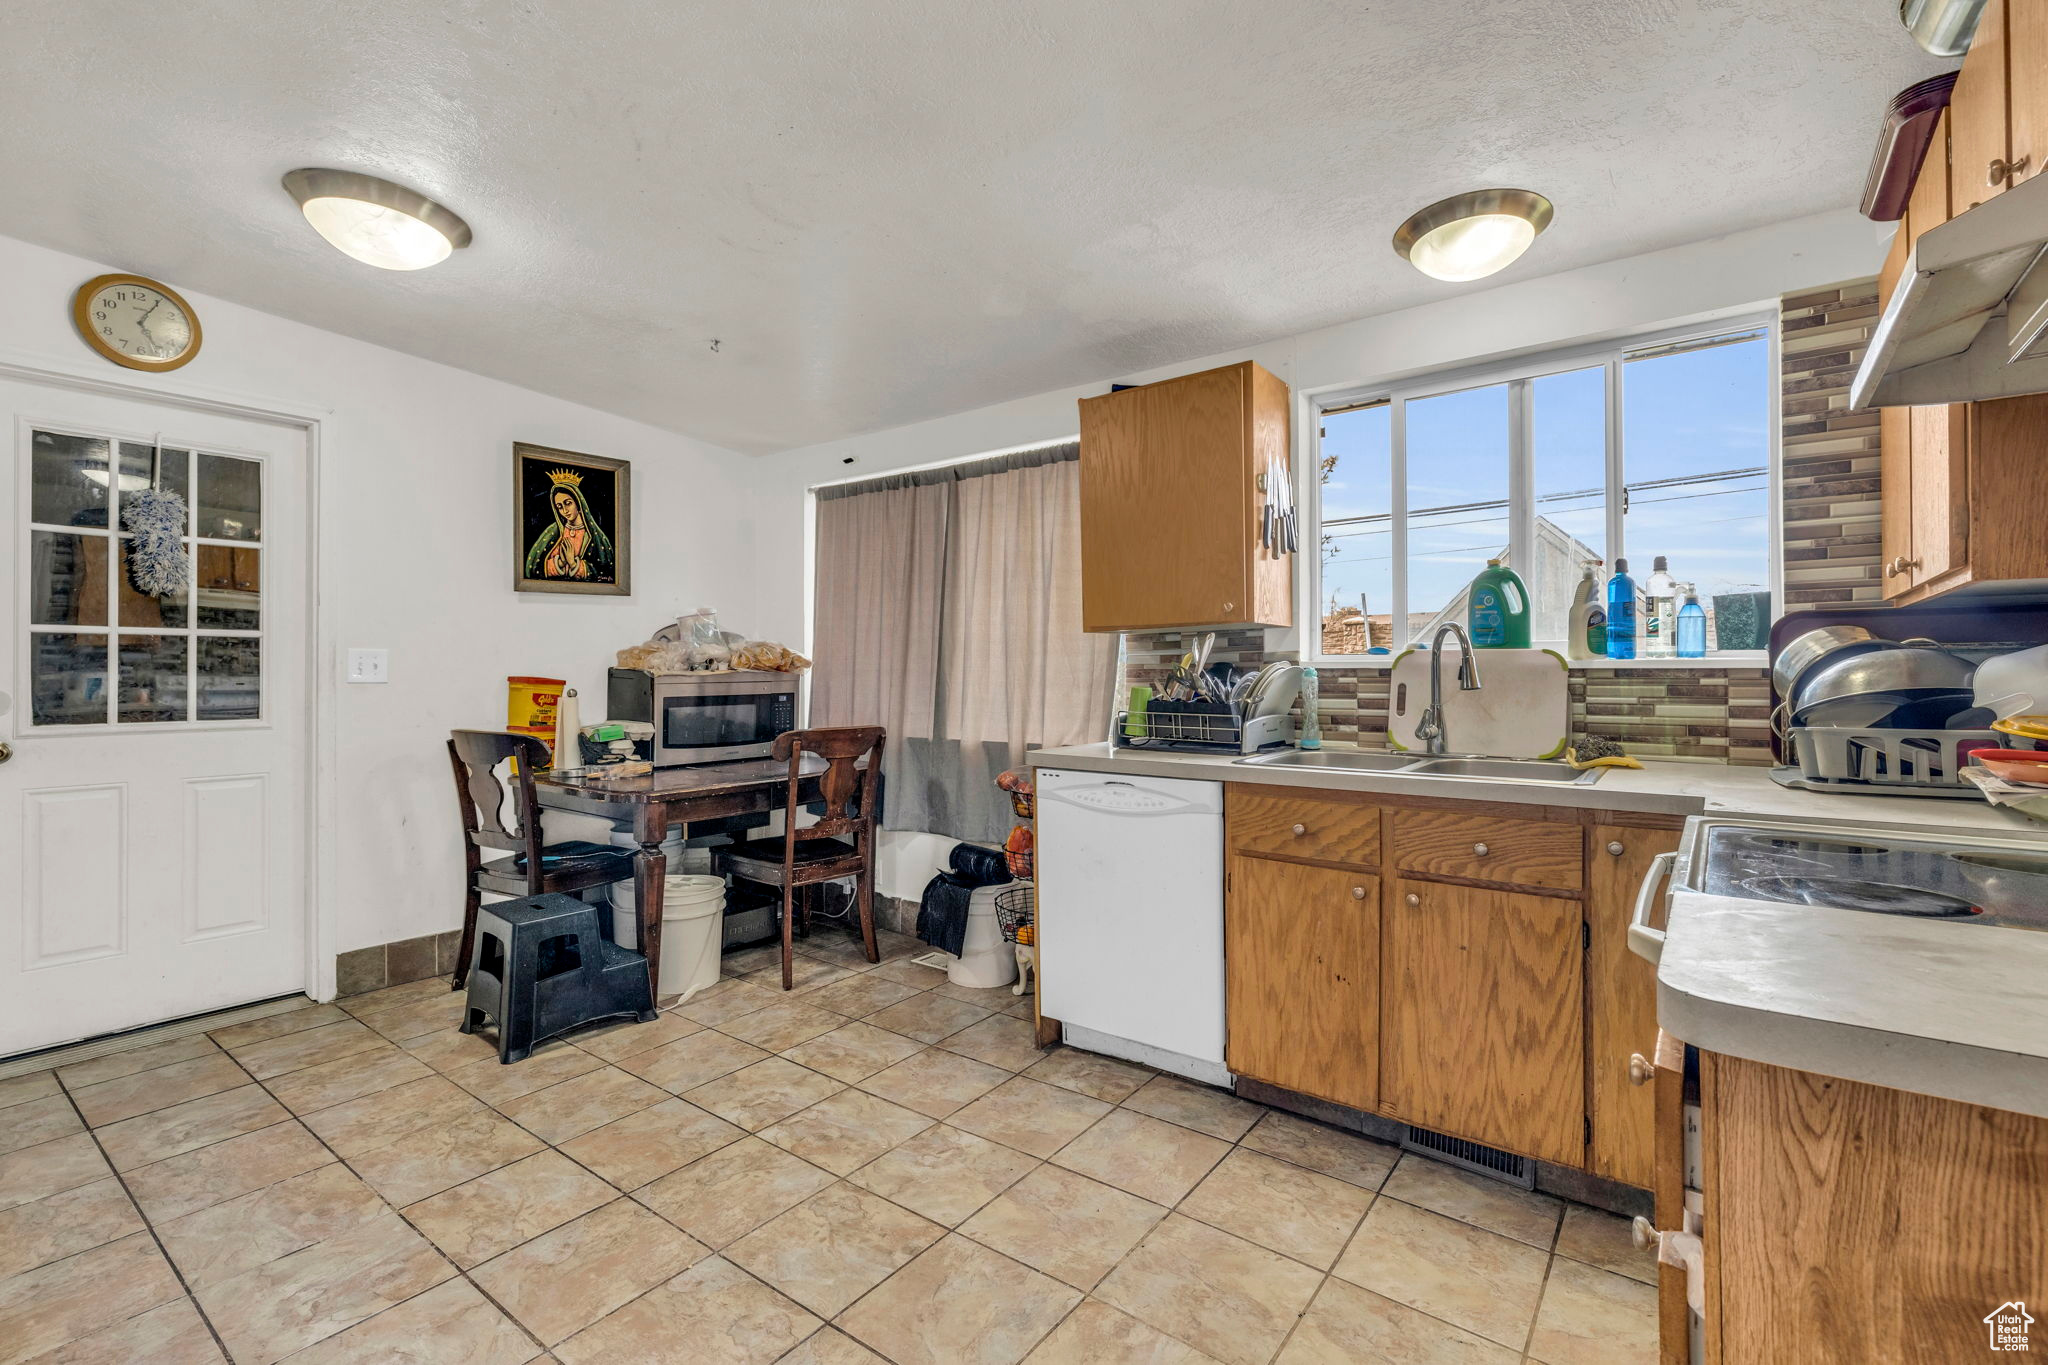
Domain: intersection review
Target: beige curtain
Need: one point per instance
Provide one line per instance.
(949, 611)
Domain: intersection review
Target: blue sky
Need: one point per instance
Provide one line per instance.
(1683, 415)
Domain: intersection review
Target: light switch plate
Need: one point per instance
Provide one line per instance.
(369, 665)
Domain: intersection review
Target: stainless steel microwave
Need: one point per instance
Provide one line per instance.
(706, 717)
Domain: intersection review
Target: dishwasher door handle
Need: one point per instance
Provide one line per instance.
(1644, 941)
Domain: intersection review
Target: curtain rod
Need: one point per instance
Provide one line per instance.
(954, 473)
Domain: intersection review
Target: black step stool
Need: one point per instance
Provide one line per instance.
(542, 966)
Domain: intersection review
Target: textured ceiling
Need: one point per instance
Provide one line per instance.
(891, 210)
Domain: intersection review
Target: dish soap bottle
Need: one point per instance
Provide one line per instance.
(1660, 614)
(1621, 613)
(1586, 623)
(1311, 728)
(1692, 625)
(1497, 609)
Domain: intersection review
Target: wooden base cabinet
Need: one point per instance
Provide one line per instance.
(1621, 1005)
(1851, 1224)
(1481, 1027)
(1303, 947)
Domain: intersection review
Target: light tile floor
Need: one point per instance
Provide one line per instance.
(877, 1167)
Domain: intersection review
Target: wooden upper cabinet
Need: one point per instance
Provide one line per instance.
(1170, 503)
(1481, 1024)
(1977, 115)
(1302, 948)
(2026, 64)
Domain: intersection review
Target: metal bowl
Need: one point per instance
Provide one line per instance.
(1906, 672)
(1802, 652)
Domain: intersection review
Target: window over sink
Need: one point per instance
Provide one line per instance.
(1655, 446)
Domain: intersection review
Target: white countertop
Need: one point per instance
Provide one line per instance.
(1957, 1011)
(1656, 788)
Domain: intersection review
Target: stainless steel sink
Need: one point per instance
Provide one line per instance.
(1358, 760)
(1508, 770)
(1543, 770)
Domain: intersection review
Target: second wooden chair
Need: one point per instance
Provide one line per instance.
(840, 845)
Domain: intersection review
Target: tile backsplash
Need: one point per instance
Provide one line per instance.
(1831, 517)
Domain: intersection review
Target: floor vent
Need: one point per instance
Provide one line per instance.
(1506, 1167)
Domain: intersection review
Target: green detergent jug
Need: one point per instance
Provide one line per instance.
(1497, 609)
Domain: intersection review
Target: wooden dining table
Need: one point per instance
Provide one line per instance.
(667, 797)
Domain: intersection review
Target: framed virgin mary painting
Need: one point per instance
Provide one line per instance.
(571, 522)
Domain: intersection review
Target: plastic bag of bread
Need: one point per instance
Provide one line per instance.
(656, 656)
(769, 657)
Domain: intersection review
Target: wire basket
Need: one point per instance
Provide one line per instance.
(1017, 912)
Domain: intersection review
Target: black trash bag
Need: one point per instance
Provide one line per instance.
(942, 913)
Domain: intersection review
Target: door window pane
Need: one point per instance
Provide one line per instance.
(143, 466)
(68, 480)
(67, 579)
(153, 680)
(1457, 500)
(229, 579)
(68, 679)
(1568, 480)
(140, 610)
(230, 498)
(1357, 485)
(230, 678)
(1696, 450)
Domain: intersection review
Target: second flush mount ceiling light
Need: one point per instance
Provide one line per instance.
(375, 221)
(1469, 236)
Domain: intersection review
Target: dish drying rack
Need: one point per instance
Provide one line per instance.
(1202, 726)
(1885, 762)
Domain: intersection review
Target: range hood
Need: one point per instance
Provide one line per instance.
(1969, 318)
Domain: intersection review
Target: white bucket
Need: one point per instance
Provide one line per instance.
(985, 959)
(692, 929)
(692, 933)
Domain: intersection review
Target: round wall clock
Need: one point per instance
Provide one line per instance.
(136, 322)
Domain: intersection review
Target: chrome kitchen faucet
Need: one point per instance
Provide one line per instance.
(1430, 729)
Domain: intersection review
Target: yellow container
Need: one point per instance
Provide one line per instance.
(530, 706)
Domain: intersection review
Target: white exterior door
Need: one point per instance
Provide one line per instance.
(153, 814)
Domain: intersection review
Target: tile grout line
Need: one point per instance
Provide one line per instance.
(148, 1223)
(343, 1162)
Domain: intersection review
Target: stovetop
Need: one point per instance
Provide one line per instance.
(1880, 875)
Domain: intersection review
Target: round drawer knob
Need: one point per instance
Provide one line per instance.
(1616, 848)
(1301, 829)
(1358, 893)
(1414, 899)
(1480, 850)
(1643, 1233)
(1640, 1072)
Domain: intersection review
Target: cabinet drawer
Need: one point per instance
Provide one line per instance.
(1295, 826)
(1489, 848)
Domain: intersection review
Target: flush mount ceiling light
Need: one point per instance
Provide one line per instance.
(1469, 236)
(375, 221)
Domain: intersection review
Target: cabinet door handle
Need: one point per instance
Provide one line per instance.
(1643, 1233)
(1616, 847)
(1905, 564)
(1640, 1072)
(2003, 172)
(1358, 893)
(1301, 829)
(1479, 850)
(1414, 899)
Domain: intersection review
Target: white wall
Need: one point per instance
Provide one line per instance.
(417, 509)
(1639, 294)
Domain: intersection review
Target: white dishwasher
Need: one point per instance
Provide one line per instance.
(1130, 917)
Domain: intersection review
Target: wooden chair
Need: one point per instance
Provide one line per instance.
(806, 858)
(533, 869)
